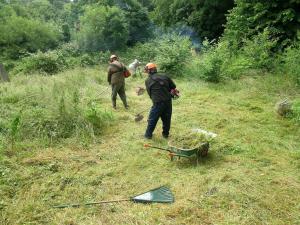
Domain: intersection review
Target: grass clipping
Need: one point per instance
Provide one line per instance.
(188, 140)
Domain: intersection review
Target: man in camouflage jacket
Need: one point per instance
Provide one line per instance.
(116, 79)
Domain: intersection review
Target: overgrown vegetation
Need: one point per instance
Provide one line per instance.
(51, 110)
(171, 52)
(103, 28)
(205, 16)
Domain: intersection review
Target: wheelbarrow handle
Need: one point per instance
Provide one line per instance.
(151, 146)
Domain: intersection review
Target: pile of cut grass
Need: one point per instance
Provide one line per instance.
(188, 140)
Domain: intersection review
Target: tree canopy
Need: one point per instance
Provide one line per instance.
(207, 17)
(251, 17)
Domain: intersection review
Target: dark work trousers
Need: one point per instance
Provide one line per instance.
(118, 88)
(161, 110)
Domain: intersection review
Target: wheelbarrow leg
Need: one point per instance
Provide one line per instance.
(171, 156)
(198, 157)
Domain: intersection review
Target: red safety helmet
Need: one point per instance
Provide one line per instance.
(150, 66)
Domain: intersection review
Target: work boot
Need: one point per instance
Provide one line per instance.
(147, 137)
(114, 104)
(127, 107)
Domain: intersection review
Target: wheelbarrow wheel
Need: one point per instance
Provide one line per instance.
(203, 151)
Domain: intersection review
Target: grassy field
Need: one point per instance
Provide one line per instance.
(251, 175)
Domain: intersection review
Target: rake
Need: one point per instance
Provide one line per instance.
(138, 117)
(158, 195)
(104, 91)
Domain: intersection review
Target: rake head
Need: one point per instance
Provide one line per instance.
(138, 117)
(140, 90)
(159, 195)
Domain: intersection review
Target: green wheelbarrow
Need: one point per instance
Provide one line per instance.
(200, 151)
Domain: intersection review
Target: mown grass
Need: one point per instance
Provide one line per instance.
(251, 175)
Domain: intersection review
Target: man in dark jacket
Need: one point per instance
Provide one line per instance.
(158, 86)
(116, 79)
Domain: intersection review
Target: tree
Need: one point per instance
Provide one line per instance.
(136, 15)
(20, 36)
(138, 20)
(207, 17)
(103, 28)
(251, 17)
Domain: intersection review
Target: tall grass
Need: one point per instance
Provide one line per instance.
(51, 109)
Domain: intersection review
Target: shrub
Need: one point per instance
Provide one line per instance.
(291, 59)
(69, 50)
(50, 63)
(208, 65)
(258, 51)
(87, 60)
(222, 61)
(171, 53)
(144, 52)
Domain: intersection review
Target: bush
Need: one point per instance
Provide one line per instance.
(221, 61)
(258, 51)
(69, 50)
(50, 63)
(96, 117)
(291, 59)
(171, 53)
(65, 57)
(209, 64)
(209, 67)
(144, 52)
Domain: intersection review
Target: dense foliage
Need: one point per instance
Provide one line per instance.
(21, 35)
(103, 28)
(31, 26)
(259, 35)
(249, 18)
(205, 16)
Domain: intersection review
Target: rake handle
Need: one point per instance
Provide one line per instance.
(89, 203)
(141, 112)
(105, 90)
